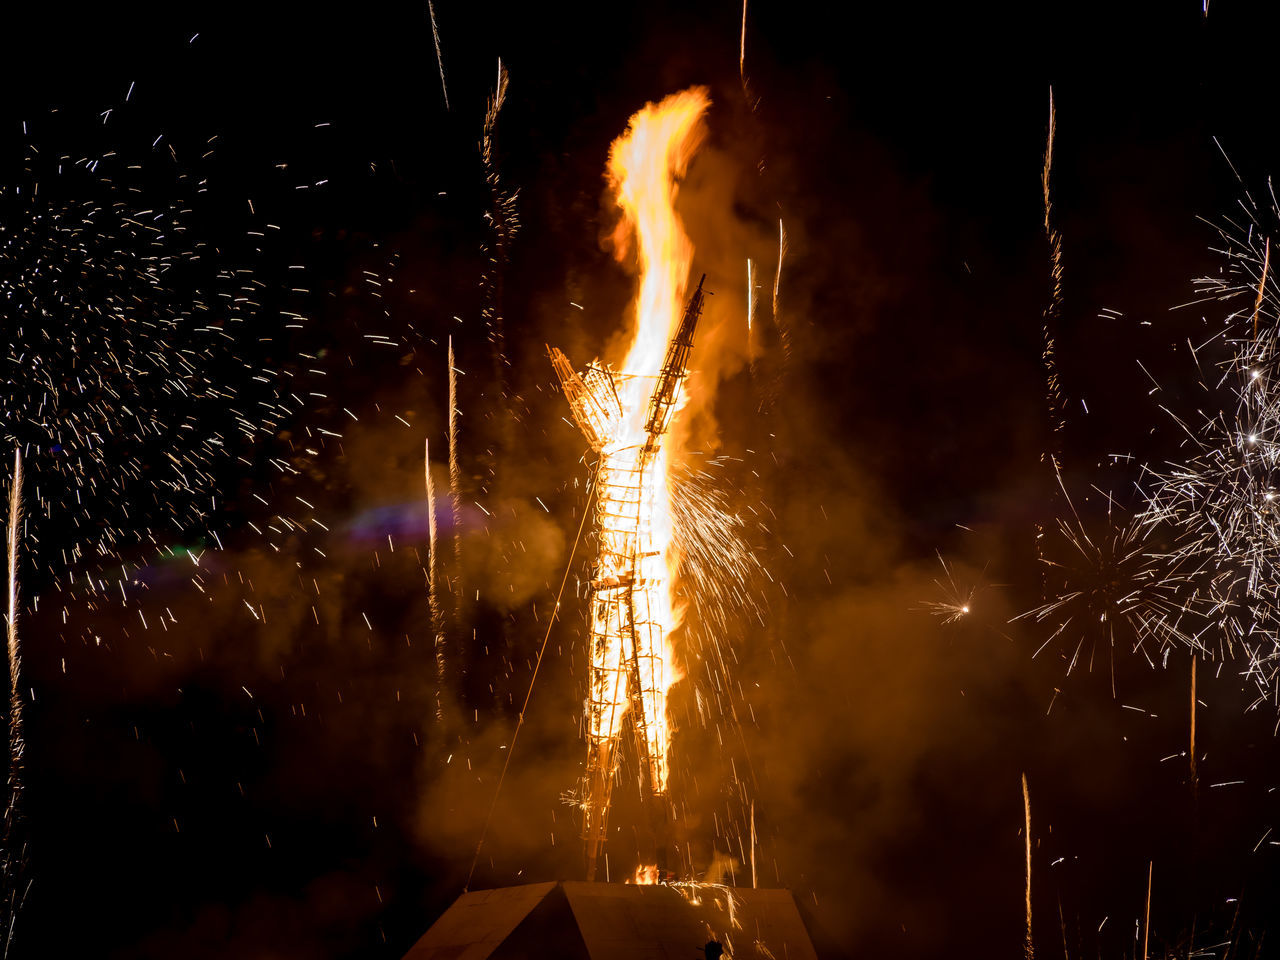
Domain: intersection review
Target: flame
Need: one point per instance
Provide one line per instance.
(626, 415)
(646, 875)
(646, 165)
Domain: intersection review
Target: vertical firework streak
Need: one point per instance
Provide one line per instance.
(1048, 323)
(433, 595)
(1192, 744)
(1262, 286)
(784, 333)
(435, 36)
(1146, 923)
(504, 223)
(773, 389)
(13, 859)
(455, 496)
(15, 658)
(753, 299)
(1028, 947)
(1053, 311)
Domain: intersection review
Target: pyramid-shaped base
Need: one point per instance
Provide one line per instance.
(608, 921)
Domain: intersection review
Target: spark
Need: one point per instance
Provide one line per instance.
(957, 602)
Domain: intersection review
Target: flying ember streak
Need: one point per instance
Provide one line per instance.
(625, 416)
(136, 369)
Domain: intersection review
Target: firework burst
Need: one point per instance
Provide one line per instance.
(957, 599)
(1221, 496)
(1109, 581)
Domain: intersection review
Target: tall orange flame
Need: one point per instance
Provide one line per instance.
(626, 415)
(646, 165)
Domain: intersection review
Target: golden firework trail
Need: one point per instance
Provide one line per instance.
(784, 333)
(455, 483)
(1192, 744)
(625, 415)
(1028, 948)
(1146, 923)
(777, 277)
(504, 224)
(433, 568)
(435, 35)
(1262, 286)
(13, 859)
(753, 299)
(1052, 312)
(16, 742)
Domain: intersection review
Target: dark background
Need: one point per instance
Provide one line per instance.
(227, 786)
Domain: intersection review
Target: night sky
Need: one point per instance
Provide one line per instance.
(263, 773)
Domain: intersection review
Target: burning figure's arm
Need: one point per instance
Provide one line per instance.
(593, 399)
(666, 395)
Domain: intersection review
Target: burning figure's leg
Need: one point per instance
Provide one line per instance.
(653, 670)
(650, 680)
(606, 707)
